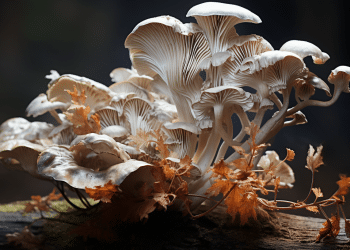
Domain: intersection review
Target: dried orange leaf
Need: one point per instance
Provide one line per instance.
(313, 209)
(347, 228)
(290, 155)
(221, 169)
(344, 184)
(39, 203)
(317, 192)
(331, 228)
(242, 164)
(78, 99)
(314, 160)
(78, 115)
(104, 193)
(326, 230)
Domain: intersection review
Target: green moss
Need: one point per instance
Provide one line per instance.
(61, 206)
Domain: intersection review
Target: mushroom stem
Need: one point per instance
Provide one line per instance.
(209, 151)
(224, 146)
(270, 128)
(244, 123)
(276, 100)
(202, 142)
(55, 115)
(303, 104)
(183, 107)
(259, 117)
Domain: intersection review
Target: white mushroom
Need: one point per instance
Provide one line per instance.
(182, 138)
(154, 41)
(122, 74)
(218, 22)
(97, 94)
(25, 153)
(20, 128)
(40, 105)
(304, 49)
(218, 103)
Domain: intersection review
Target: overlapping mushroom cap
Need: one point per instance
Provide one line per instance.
(154, 41)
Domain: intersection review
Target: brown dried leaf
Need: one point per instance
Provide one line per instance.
(314, 160)
(78, 115)
(331, 228)
(347, 228)
(242, 164)
(104, 193)
(317, 192)
(344, 184)
(326, 230)
(313, 209)
(39, 203)
(221, 169)
(77, 99)
(290, 155)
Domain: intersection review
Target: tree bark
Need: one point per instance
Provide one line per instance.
(169, 230)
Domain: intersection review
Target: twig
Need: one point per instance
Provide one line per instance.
(312, 185)
(211, 209)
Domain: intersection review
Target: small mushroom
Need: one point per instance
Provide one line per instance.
(304, 49)
(182, 138)
(98, 95)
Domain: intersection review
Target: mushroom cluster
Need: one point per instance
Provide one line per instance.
(156, 131)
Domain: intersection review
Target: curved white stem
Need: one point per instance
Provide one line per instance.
(303, 104)
(207, 156)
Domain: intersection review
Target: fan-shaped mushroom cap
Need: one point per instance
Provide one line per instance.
(182, 138)
(305, 86)
(40, 105)
(136, 112)
(108, 117)
(128, 88)
(81, 171)
(218, 20)
(223, 95)
(341, 76)
(98, 95)
(267, 73)
(122, 74)
(304, 49)
(242, 48)
(20, 128)
(25, 153)
(154, 41)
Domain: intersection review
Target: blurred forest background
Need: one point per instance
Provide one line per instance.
(86, 38)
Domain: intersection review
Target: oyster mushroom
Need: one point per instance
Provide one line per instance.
(98, 95)
(304, 49)
(154, 41)
(217, 102)
(218, 21)
(182, 138)
(40, 105)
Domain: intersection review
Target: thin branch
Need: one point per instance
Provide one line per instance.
(312, 185)
(211, 209)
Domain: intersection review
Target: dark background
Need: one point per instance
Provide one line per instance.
(86, 38)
